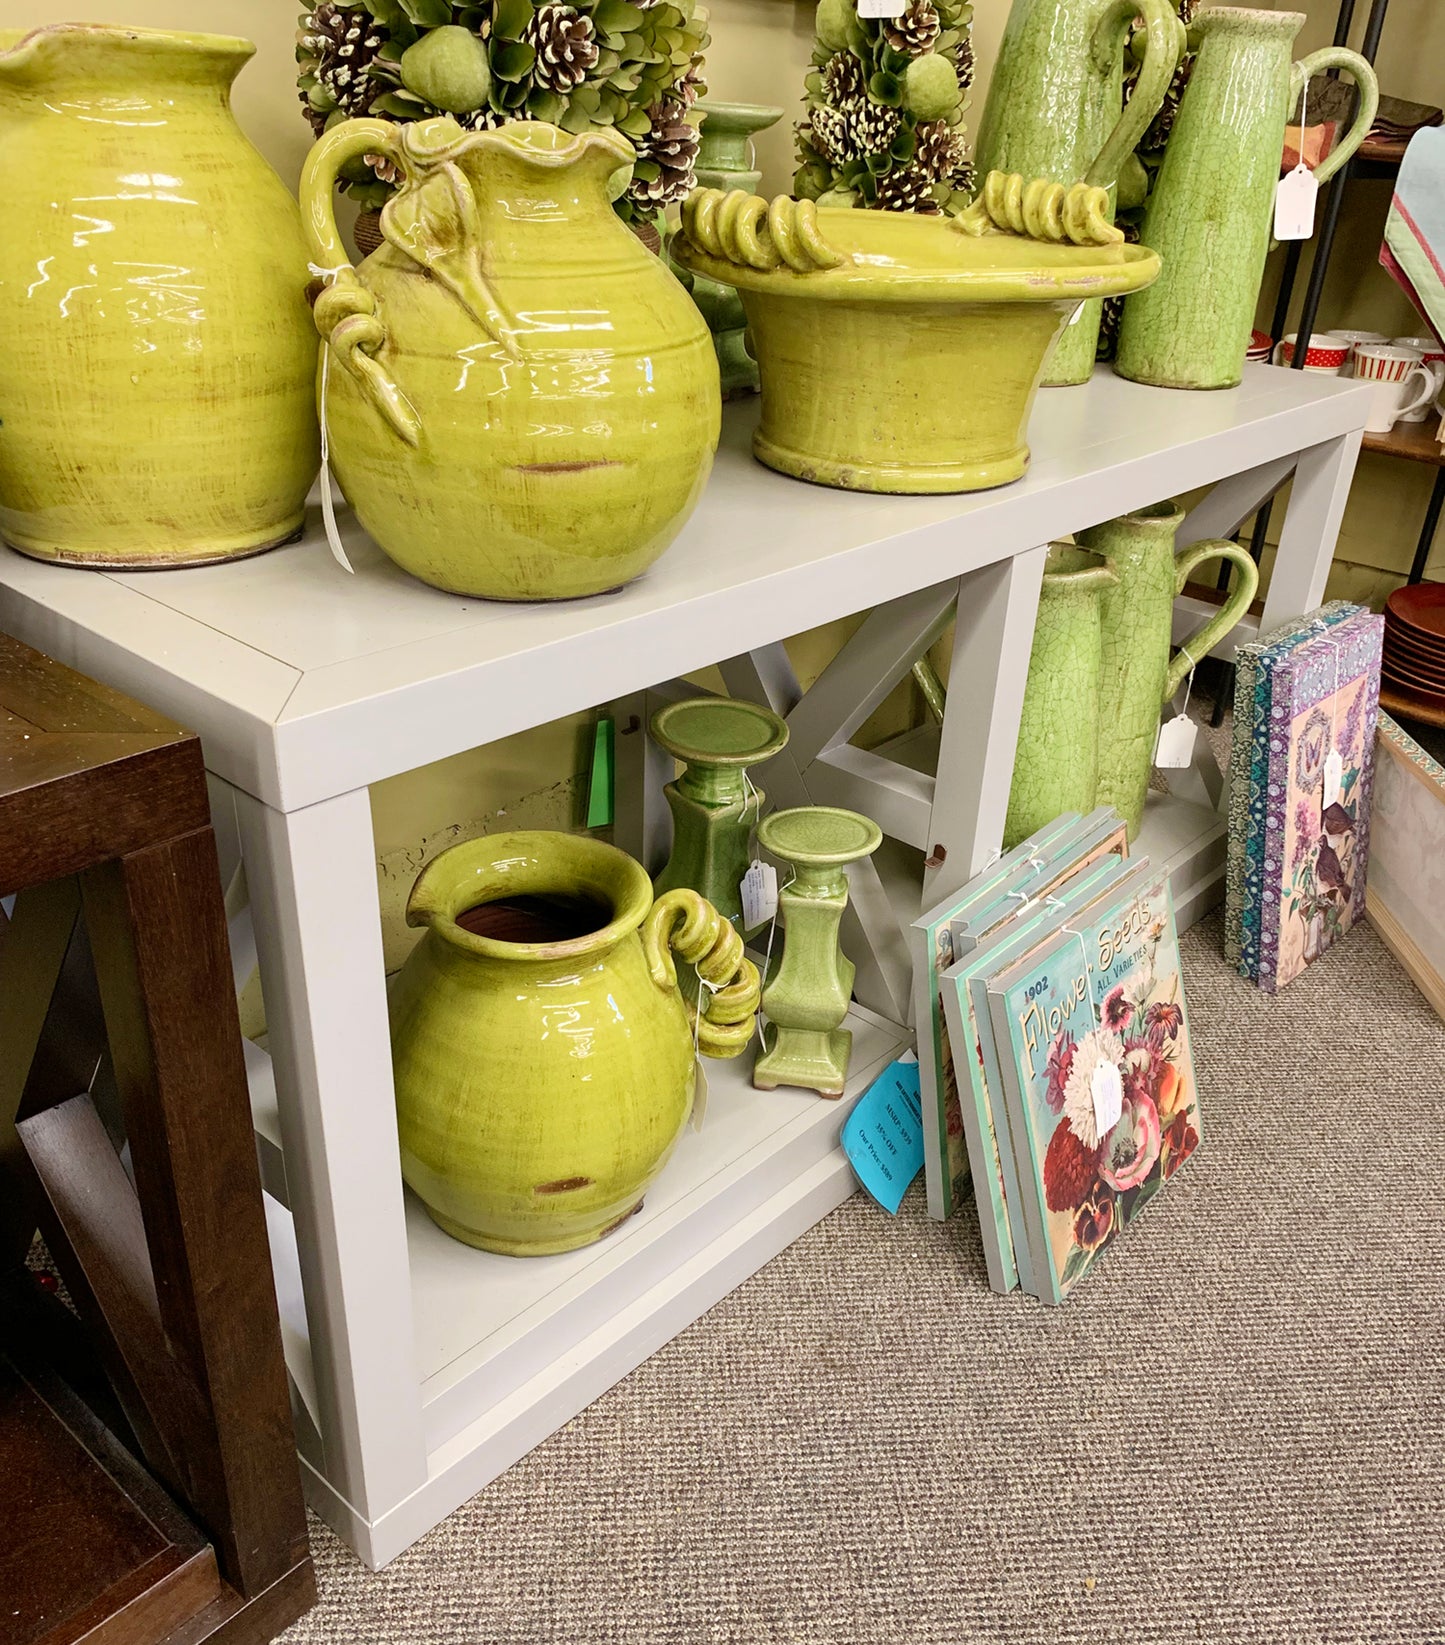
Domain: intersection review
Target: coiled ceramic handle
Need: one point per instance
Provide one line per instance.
(1199, 645)
(1041, 210)
(689, 923)
(1339, 57)
(745, 229)
(346, 313)
(1164, 40)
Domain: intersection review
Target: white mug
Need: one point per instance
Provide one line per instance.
(1328, 352)
(1401, 379)
(1434, 357)
(1353, 337)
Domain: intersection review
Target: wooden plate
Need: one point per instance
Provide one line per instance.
(1404, 674)
(1420, 606)
(1417, 657)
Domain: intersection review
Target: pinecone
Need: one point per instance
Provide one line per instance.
(915, 31)
(939, 150)
(566, 50)
(489, 119)
(907, 188)
(828, 131)
(342, 44)
(842, 79)
(963, 63)
(671, 145)
(871, 126)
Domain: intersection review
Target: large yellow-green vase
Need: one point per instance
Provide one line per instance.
(157, 361)
(522, 401)
(544, 1059)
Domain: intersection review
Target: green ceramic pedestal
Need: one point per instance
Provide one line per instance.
(807, 1000)
(725, 161)
(714, 809)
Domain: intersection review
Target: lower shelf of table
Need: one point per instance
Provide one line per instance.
(508, 1349)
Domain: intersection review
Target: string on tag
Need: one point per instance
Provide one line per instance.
(1188, 680)
(328, 503)
(1107, 1083)
(1334, 765)
(700, 1012)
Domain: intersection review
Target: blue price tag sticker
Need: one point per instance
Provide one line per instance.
(883, 1137)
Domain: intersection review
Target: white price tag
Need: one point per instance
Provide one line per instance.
(1175, 748)
(1334, 772)
(1107, 1088)
(1294, 205)
(882, 8)
(699, 1096)
(758, 889)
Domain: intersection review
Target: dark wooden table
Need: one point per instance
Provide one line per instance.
(150, 1489)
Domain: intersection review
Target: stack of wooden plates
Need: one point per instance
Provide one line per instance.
(1413, 669)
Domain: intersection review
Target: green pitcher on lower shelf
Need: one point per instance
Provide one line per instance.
(806, 1000)
(544, 1059)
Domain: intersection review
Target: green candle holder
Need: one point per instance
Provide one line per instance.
(806, 1001)
(714, 806)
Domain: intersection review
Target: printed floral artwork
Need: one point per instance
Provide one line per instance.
(1105, 1008)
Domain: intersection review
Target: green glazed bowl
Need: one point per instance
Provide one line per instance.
(901, 352)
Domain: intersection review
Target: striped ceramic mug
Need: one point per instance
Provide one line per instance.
(1402, 382)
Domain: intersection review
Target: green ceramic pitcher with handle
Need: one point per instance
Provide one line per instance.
(1210, 215)
(1056, 763)
(1053, 110)
(1137, 677)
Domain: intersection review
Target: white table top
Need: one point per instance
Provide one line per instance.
(305, 682)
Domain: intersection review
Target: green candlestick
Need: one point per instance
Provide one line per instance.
(807, 1000)
(714, 805)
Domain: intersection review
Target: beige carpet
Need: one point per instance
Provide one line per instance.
(1234, 1433)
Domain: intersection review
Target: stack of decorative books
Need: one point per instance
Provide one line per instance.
(1301, 768)
(1054, 1050)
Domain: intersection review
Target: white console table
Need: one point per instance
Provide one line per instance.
(422, 1368)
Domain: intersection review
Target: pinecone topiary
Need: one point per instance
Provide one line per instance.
(939, 150)
(666, 157)
(907, 188)
(871, 126)
(842, 79)
(565, 44)
(828, 131)
(915, 31)
(339, 45)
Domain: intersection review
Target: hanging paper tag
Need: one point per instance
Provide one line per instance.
(1294, 205)
(1334, 772)
(1107, 1087)
(699, 1096)
(882, 8)
(1175, 748)
(328, 507)
(758, 889)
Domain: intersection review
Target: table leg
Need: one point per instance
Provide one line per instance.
(1311, 529)
(989, 667)
(312, 879)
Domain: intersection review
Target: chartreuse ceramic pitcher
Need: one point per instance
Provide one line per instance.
(544, 1059)
(522, 402)
(1056, 764)
(1136, 612)
(1053, 111)
(156, 399)
(1211, 212)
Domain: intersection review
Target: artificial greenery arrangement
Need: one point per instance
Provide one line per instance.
(884, 124)
(632, 64)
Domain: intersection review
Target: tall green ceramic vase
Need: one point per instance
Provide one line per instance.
(1136, 612)
(1056, 765)
(543, 1057)
(725, 161)
(1210, 215)
(805, 1043)
(1053, 110)
(715, 805)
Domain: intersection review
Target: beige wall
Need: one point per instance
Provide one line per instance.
(759, 54)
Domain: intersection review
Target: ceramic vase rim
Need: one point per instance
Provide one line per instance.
(740, 117)
(1154, 514)
(437, 903)
(19, 46)
(868, 836)
(706, 757)
(1096, 572)
(1286, 24)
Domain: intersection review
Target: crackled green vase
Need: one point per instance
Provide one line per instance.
(1055, 109)
(1210, 213)
(1056, 765)
(1136, 612)
(714, 803)
(806, 1000)
(725, 161)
